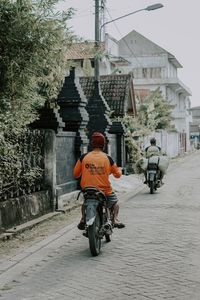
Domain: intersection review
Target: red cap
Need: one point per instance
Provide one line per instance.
(98, 140)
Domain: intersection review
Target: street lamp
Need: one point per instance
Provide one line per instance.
(98, 32)
(148, 8)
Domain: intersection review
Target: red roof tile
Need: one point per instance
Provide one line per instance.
(116, 90)
(83, 50)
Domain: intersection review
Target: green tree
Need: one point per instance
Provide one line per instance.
(33, 41)
(155, 112)
(34, 38)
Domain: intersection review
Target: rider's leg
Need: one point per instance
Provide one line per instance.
(115, 212)
(116, 222)
(112, 204)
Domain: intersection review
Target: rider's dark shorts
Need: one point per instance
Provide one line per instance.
(111, 200)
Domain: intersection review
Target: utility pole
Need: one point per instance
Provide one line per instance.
(97, 40)
(103, 20)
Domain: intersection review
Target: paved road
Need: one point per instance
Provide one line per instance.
(157, 255)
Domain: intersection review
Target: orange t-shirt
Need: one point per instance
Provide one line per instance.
(94, 169)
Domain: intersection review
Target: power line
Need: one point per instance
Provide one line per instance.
(83, 16)
(127, 45)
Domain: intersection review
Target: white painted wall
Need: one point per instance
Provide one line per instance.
(167, 140)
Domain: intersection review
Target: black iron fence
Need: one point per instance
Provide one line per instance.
(21, 163)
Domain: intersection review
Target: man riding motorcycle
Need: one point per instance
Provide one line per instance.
(153, 150)
(94, 169)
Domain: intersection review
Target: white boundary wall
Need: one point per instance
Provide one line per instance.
(167, 140)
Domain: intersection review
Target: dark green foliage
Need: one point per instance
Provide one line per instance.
(33, 43)
(34, 38)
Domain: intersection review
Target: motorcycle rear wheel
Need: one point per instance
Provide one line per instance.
(94, 240)
(151, 185)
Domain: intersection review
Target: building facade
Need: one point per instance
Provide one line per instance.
(195, 126)
(153, 67)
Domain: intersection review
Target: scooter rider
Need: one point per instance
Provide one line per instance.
(94, 169)
(153, 150)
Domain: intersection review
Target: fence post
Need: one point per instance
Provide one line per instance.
(50, 163)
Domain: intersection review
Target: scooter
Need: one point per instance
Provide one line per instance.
(97, 218)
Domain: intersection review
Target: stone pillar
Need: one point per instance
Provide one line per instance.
(72, 102)
(97, 109)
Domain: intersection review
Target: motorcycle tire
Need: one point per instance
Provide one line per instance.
(151, 185)
(94, 239)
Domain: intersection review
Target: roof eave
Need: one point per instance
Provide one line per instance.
(174, 61)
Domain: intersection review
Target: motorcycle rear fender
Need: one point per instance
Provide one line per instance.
(90, 210)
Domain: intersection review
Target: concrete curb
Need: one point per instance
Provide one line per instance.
(11, 232)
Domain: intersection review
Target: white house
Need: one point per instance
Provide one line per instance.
(154, 67)
(195, 126)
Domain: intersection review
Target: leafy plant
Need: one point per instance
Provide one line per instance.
(153, 114)
(34, 38)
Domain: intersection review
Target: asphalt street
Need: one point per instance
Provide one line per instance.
(155, 257)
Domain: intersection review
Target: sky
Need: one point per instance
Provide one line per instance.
(175, 27)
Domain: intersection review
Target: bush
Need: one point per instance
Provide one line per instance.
(33, 44)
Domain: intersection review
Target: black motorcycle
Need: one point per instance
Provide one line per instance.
(97, 218)
(153, 175)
